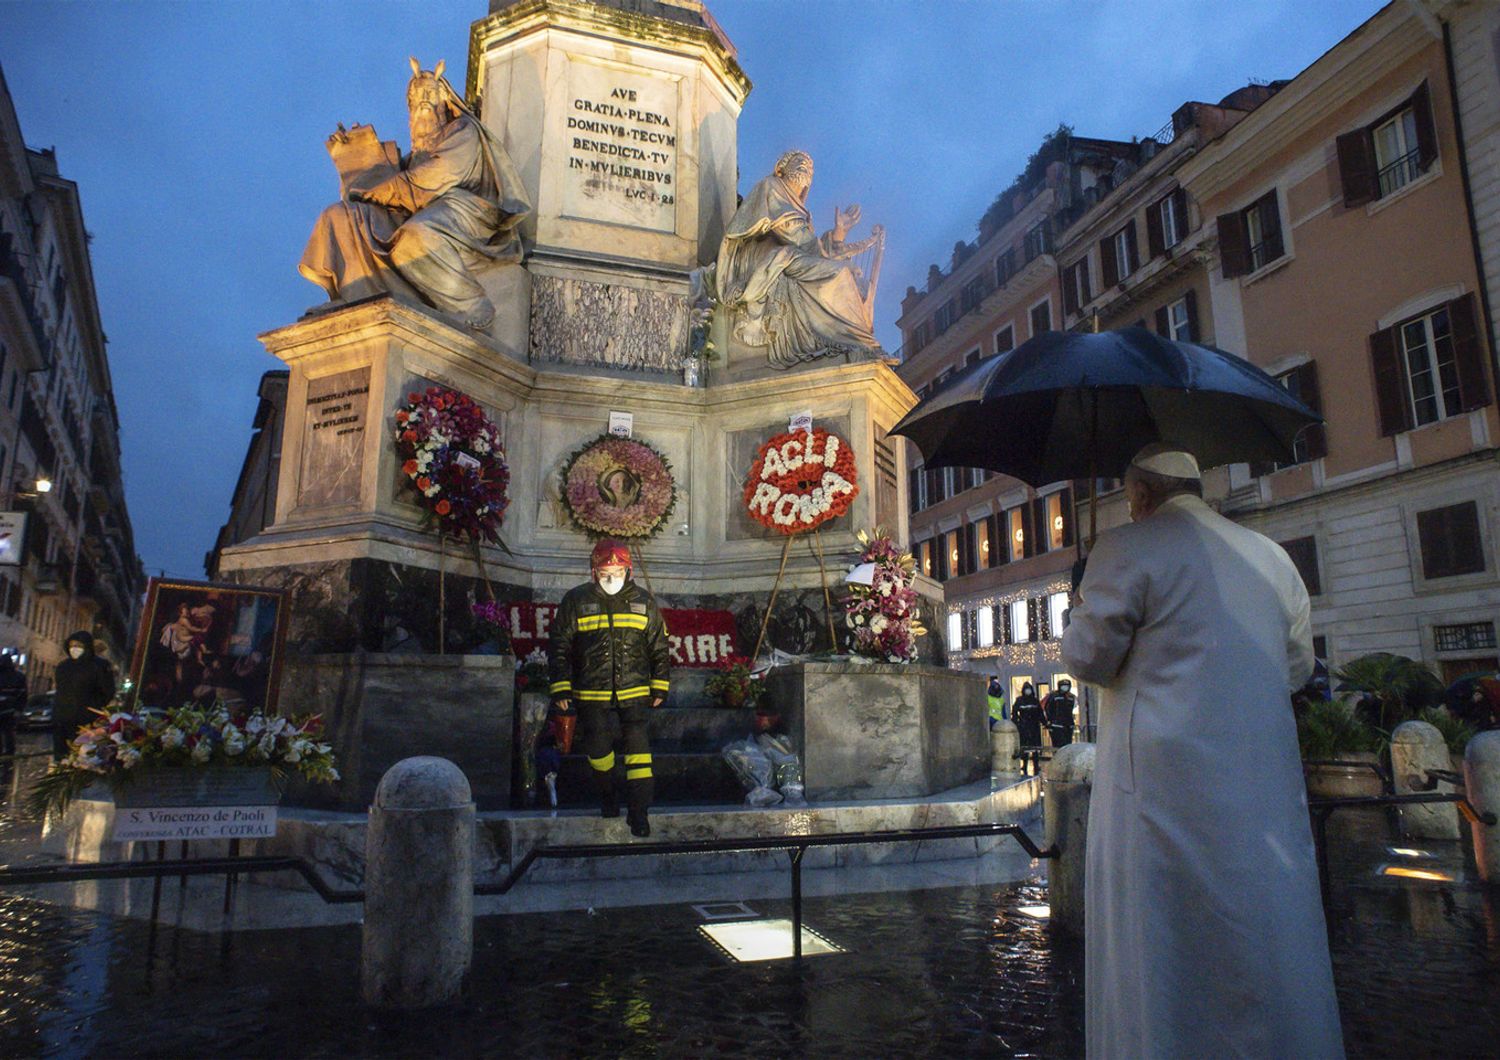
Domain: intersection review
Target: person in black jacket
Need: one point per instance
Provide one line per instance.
(1026, 712)
(610, 656)
(84, 683)
(1058, 709)
(12, 699)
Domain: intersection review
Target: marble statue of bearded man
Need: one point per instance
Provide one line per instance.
(788, 288)
(452, 205)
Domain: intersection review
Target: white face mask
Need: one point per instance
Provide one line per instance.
(611, 583)
(76, 651)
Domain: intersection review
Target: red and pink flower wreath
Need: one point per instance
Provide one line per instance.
(451, 453)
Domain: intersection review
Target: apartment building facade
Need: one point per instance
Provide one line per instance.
(1002, 549)
(1345, 264)
(67, 552)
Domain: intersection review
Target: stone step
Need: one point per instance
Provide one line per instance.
(335, 841)
(699, 728)
(680, 778)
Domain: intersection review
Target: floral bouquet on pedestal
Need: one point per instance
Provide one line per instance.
(882, 605)
(733, 685)
(123, 748)
(492, 618)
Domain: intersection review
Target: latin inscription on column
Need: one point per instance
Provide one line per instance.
(621, 148)
(333, 440)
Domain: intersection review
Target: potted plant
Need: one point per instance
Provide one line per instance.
(1393, 688)
(1338, 748)
(493, 624)
(191, 755)
(732, 685)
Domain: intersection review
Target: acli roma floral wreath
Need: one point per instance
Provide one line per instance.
(801, 480)
(451, 452)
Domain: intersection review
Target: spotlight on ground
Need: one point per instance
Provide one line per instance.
(1036, 912)
(764, 940)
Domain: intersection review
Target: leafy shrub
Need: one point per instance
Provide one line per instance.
(1456, 732)
(1330, 728)
(1400, 686)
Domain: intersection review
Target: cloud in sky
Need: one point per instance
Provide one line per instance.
(195, 133)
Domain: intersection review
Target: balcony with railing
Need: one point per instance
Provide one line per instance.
(1400, 172)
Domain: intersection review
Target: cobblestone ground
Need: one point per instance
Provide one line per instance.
(943, 972)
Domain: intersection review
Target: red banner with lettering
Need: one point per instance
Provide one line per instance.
(699, 638)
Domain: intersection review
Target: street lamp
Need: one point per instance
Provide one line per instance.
(28, 488)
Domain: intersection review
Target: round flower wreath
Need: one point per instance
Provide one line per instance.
(799, 481)
(618, 487)
(451, 452)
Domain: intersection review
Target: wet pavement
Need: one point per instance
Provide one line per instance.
(931, 971)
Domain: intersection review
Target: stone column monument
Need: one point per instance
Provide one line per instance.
(538, 249)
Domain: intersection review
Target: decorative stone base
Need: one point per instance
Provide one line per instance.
(379, 709)
(883, 730)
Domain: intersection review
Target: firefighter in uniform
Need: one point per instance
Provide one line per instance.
(610, 662)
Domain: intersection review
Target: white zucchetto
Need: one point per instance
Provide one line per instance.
(1166, 460)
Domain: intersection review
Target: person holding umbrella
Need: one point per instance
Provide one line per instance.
(1205, 933)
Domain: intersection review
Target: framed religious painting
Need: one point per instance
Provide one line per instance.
(201, 642)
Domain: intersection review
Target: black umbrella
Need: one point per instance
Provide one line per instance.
(1070, 405)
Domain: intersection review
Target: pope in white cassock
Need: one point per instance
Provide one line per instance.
(1204, 926)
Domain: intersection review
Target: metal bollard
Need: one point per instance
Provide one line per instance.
(1005, 741)
(1482, 781)
(1069, 783)
(419, 886)
(1417, 747)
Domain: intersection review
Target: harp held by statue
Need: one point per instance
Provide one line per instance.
(362, 159)
(864, 260)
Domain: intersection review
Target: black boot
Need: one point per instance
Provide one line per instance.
(639, 793)
(609, 795)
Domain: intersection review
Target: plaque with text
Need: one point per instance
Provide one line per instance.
(333, 442)
(621, 147)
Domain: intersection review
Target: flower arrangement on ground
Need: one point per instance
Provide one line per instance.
(883, 614)
(801, 480)
(533, 673)
(618, 487)
(452, 455)
(121, 747)
(733, 685)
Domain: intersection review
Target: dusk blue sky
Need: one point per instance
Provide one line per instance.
(195, 132)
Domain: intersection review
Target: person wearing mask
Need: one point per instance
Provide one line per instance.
(996, 696)
(1026, 712)
(1205, 934)
(12, 699)
(84, 683)
(1057, 710)
(610, 655)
